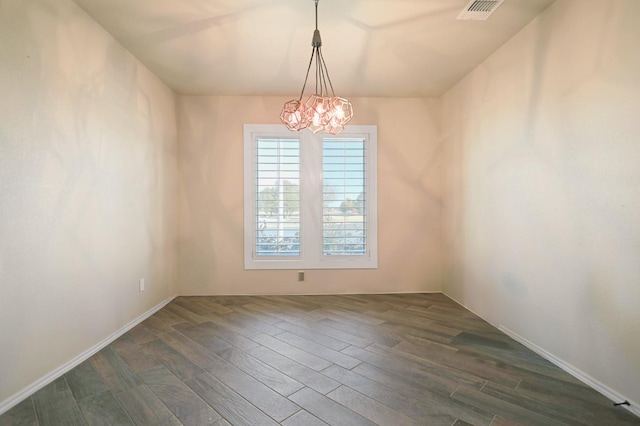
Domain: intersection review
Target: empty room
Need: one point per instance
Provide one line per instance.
(311, 212)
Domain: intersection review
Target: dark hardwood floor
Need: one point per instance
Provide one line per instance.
(418, 359)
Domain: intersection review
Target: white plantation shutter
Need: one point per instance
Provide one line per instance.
(310, 199)
(344, 195)
(277, 191)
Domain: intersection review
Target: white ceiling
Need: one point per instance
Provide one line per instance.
(400, 48)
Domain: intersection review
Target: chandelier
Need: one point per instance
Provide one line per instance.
(320, 112)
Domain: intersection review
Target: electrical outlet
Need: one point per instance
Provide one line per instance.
(141, 285)
(300, 275)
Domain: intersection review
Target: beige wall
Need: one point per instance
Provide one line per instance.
(211, 199)
(542, 188)
(87, 188)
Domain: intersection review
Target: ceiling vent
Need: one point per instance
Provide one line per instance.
(479, 10)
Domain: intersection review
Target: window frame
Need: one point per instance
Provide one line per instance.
(311, 200)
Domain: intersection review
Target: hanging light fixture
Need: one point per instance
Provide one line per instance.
(320, 112)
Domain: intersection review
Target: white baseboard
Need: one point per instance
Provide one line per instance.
(12, 401)
(578, 374)
(317, 294)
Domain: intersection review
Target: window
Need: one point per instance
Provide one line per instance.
(310, 199)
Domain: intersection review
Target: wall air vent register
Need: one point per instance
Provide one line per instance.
(479, 10)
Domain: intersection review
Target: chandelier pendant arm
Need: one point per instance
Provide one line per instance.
(319, 74)
(323, 78)
(318, 71)
(323, 67)
(307, 76)
(333, 93)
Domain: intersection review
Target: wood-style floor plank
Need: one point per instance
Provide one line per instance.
(157, 325)
(344, 336)
(487, 369)
(145, 408)
(369, 408)
(249, 322)
(85, 381)
(266, 374)
(55, 405)
(313, 335)
(23, 413)
(141, 334)
(204, 336)
(303, 418)
(255, 315)
(296, 354)
(221, 321)
(282, 312)
(400, 359)
(405, 331)
(104, 409)
(232, 406)
(178, 364)
(178, 309)
(384, 369)
(186, 405)
(349, 326)
(403, 400)
(260, 395)
(326, 409)
(316, 360)
(195, 305)
(295, 370)
(114, 371)
(503, 408)
(317, 349)
(133, 354)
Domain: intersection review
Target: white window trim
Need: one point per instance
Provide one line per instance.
(311, 256)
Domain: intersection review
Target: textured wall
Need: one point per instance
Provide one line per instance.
(87, 188)
(542, 188)
(211, 199)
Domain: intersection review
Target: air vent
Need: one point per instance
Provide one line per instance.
(479, 10)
